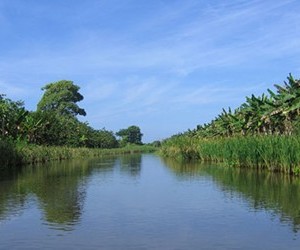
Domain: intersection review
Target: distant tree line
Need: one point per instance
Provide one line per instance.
(55, 121)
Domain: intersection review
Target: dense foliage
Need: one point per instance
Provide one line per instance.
(12, 116)
(131, 135)
(262, 132)
(61, 97)
(276, 113)
(54, 123)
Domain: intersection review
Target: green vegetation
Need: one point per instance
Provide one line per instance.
(61, 97)
(53, 130)
(275, 153)
(261, 133)
(8, 154)
(32, 154)
(54, 123)
(130, 135)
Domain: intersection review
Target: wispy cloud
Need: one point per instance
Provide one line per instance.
(200, 34)
(99, 90)
(221, 36)
(12, 91)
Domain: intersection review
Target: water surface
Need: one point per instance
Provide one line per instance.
(147, 202)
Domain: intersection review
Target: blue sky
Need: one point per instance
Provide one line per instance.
(163, 65)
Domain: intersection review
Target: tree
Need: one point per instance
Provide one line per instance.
(12, 115)
(61, 97)
(31, 127)
(131, 134)
(103, 139)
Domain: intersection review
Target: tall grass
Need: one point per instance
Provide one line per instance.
(181, 148)
(21, 154)
(8, 154)
(275, 153)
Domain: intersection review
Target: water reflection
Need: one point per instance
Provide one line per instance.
(131, 164)
(277, 194)
(12, 197)
(60, 190)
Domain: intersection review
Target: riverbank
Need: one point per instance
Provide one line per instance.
(275, 153)
(12, 155)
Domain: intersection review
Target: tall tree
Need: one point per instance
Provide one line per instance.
(61, 97)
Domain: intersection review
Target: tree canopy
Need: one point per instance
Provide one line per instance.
(61, 97)
(131, 134)
(55, 122)
(12, 114)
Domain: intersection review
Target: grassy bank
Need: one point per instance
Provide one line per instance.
(275, 153)
(16, 155)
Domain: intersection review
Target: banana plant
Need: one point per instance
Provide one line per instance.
(30, 127)
(286, 103)
(12, 114)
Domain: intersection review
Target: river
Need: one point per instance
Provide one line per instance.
(147, 202)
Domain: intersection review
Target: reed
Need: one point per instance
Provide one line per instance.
(8, 154)
(275, 153)
(12, 155)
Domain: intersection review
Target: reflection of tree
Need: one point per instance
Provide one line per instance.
(9, 202)
(59, 187)
(131, 164)
(5, 200)
(184, 169)
(263, 190)
(271, 191)
(61, 193)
